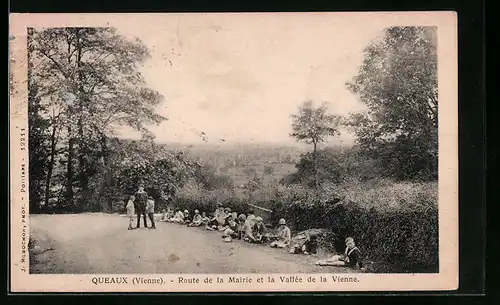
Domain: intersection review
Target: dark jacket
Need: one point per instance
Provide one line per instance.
(311, 246)
(259, 228)
(141, 200)
(353, 257)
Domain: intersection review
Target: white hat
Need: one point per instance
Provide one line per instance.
(186, 211)
(196, 211)
(282, 221)
(258, 218)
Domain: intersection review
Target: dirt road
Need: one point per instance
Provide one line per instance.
(100, 243)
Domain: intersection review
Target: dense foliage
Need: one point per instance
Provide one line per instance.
(398, 83)
(83, 83)
(334, 165)
(396, 223)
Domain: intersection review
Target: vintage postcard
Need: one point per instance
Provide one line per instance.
(233, 152)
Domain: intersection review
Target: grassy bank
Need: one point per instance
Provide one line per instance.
(394, 224)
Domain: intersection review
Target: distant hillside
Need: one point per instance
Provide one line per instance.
(244, 162)
(241, 154)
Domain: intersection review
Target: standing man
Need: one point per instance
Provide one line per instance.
(141, 198)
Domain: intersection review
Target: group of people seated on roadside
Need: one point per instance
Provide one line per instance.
(252, 229)
(249, 228)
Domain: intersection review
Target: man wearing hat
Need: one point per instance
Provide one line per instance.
(141, 198)
(283, 235)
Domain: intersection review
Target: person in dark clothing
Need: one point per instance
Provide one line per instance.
(229, 217)
(258, 231)
(351, 257)
(187, 217)
(141, 198)
(311, 245)
(231, 230)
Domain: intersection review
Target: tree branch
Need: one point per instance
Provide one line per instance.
(55, 62)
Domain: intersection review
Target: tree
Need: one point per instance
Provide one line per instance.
(334, 165)
(92, 76)
(398, 83)
(38, 150)
(312, 126)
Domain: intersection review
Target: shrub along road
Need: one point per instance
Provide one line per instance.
(100, 243)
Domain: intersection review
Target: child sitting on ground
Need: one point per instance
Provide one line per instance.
(351, 257)
(258, 231)
(230, 230)
(205, 220)
(196, 219)
(187, 217)
(283, 235)
(178, 217)
(131, 212)
(241, 226)
(249, 223)
(230, 216)
(235, 217)
(309, 247)
(167, 214)
(222, 218)
(213, 223)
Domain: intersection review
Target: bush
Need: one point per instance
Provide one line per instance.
(193, 196)
(391, 222)
(395, 224)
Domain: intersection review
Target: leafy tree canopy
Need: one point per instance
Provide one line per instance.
(398, 83)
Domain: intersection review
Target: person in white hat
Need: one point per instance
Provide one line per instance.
(187, 217)
(196, 219)
(283, 235)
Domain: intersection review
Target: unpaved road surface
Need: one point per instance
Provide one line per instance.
(100, 243)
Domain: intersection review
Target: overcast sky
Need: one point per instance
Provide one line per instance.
(240, 78)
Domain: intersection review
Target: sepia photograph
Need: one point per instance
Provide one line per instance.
(234, 145)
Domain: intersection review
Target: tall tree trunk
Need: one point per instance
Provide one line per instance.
(82, 175)
(109, 175)
(50, 166)
(82, 166)
(69, 169)
(315, 165)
